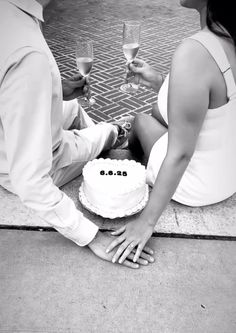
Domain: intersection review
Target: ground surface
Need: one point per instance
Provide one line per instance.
(164, 24)
(48, 284)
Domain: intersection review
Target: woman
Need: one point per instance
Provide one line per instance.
(190, 140)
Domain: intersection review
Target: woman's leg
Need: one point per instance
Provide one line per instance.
(145, 132)
(157, 115)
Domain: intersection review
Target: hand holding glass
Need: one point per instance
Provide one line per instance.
(84, 61)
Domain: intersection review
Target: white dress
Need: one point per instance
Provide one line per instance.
(211, 174)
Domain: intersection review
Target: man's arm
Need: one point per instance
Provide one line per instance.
(26, 117)
(26, 94)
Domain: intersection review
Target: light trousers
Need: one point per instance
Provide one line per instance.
(86, 142)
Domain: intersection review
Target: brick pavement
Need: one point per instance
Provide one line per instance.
(164, 24)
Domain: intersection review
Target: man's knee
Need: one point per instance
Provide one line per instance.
(70, 112)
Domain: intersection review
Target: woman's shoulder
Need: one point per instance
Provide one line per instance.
(190, 52)
(191, 47)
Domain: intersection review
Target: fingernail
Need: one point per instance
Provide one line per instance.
(113, 260)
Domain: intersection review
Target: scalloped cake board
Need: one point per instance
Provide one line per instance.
(215, 220)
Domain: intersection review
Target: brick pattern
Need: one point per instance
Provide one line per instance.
(160, 35)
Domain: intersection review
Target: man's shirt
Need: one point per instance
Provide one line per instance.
(32, 140)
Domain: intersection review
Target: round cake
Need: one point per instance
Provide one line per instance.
(114, 188)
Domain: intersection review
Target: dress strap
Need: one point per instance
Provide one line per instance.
(214, 47)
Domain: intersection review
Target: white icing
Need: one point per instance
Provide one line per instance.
(106, 201)
(114, 194)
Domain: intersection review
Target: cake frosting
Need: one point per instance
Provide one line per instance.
(114, 188)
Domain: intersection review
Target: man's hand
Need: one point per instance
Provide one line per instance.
(74, 87)
(132, 238)
(100, 243)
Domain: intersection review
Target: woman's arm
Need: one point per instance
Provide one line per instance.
(188, 101)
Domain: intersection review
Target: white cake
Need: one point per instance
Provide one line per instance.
(114, 188)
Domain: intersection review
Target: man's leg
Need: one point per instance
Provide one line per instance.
(85, 145)
(74, 116)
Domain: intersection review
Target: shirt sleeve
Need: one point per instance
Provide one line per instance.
(26, 96)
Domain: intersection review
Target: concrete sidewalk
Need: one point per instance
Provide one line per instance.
(48, 284)
(210, 221)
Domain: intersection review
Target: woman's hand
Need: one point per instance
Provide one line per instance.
(132, 236)
(100, 243)
(74, 87)
(145, 74)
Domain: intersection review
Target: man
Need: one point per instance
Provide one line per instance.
(43, 142)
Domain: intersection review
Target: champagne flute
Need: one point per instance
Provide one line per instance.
(84, 61)
(131, 43)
